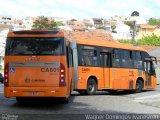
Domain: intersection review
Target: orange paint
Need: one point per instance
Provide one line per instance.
(32, 77)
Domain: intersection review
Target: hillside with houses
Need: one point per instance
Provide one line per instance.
(113, 29)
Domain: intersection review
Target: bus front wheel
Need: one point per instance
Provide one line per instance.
(139, 86)
(91, 86)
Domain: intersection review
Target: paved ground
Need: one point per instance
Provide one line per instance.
(147, 102)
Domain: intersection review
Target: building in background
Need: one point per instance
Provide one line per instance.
(122, 31)
(7, 20)
(28, 22)
(3, 35)
(138, 19)
(148, 30)
(89, 25)
(98, 22)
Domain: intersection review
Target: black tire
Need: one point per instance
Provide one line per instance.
(71, 88)
(65, 100)
(139, 86)
(112, 91)
(91, 87)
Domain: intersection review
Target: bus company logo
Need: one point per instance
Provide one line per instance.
(33, 59)
(27, 80)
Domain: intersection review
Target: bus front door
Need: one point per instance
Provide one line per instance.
(105, 60)
(148, 71)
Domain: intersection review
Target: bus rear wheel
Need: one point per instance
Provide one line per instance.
(139, 86)
(91, 87)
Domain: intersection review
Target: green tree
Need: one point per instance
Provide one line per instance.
(113, 27)
(149, 40)
(125, 41)
(73, 19)
(59, 23)
(129, 23)
(135, 13)
(44, 23)
(153, 21)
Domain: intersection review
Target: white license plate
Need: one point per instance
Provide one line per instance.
(33, 93)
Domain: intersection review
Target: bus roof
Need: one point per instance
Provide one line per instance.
(109, 44)
(51, 33)
(36, 33)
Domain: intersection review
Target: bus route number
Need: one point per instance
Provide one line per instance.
(49, 69)
(84, 70)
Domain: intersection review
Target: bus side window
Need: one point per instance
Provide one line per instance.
(85, 59)
(137, 60)
(126, 57)
(105, 59)
(89, 57)
(116, 58)
(95, 61)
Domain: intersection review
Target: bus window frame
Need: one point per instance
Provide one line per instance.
(82, 47)
(135, 59)
(105, 50)
(63, 47)
(128, 59)
(115, 57)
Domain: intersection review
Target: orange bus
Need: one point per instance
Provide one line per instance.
(37, 64)
(101, 65)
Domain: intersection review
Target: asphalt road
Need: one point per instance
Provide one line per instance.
(146, 102)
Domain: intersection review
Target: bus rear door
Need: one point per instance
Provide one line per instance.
(105, 60)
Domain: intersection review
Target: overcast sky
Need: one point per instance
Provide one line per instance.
(79, 9)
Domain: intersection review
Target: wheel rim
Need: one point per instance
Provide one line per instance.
(138, 86)
(91, 87)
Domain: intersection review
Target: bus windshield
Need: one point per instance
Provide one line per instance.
(22, 46)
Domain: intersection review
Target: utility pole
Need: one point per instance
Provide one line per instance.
(134, 31)
(134, 14)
